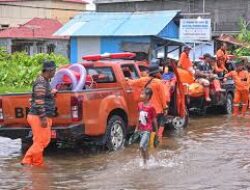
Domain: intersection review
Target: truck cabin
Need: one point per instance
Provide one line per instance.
(105, 72)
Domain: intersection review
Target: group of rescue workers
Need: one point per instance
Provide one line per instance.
(213, 68)
(154, 97)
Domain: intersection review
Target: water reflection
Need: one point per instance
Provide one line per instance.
(37, 178)
(212, 153)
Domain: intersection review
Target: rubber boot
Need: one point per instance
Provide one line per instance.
(207, 97)
(152, 140)
(235, 110)
(244, 110)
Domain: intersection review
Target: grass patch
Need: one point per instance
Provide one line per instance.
(8, 89)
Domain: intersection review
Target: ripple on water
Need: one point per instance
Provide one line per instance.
(212, 153)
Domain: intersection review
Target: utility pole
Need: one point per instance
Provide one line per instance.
(204, 6)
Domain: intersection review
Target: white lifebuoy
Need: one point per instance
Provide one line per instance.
(58, 78)
(82, 71)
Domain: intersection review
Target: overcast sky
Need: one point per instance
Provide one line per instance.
(90, 6)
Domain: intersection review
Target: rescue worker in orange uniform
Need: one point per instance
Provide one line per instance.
(241, 80)
(248, 69)
(221, 56)
(159, 99)
(40, 116)
(185, 62)
(215, 67)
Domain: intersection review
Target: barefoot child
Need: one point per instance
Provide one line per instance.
(147, 119)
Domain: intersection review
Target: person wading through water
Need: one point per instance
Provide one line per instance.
(241, 80)
(146, 121)
(40, 116)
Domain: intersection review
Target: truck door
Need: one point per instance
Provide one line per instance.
(132, 94)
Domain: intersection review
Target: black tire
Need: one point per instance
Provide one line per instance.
(116, 133)
(227, 108)
(25, 145)
(52, 147)
(179, 122)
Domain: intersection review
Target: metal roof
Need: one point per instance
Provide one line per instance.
(36, 28)
(149, 23)
(171, 41)
(70, 1)
(117, 1)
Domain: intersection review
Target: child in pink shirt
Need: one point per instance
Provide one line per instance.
(147, 119)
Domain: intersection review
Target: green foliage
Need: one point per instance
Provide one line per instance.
(242, 51)
(20, 70)
(244, 37)
(9, 89)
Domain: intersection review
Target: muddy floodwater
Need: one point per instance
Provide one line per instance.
(212, 153)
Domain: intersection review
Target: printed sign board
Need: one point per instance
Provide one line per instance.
(192, 30)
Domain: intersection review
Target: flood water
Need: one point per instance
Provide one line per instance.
(212, 153)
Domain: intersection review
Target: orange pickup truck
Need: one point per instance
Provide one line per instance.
(103, 114)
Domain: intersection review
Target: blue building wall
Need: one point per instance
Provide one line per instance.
(73, 50)
(113, 44)
(170, 31)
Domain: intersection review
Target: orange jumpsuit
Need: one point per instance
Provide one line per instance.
(222, 58)
(159, 99)
(41, 139)
(160, 96)
(241, 80)
(216, 69)
(249, 91)
(185, 62)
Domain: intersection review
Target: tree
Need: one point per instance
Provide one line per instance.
(244, 37)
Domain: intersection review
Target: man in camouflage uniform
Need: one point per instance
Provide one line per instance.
(40, 116)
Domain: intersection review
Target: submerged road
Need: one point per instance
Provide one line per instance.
(212, 153)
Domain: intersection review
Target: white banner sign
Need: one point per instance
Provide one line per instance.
(192, 30)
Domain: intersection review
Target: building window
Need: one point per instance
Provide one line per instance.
(51, 48)
(40, 49)
(4, 26)
(27, 49)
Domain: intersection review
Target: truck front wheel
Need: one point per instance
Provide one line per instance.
(115, 135)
